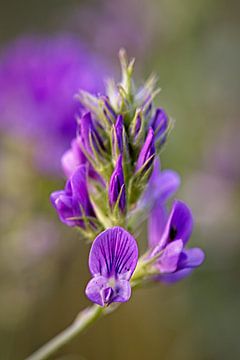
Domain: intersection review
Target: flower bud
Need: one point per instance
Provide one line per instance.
(159, 124)
(117, 192)
(146, 155)
(117, 137)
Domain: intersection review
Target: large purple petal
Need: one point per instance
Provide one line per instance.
(114, 253)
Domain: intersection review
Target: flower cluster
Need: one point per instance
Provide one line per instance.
(114, 182)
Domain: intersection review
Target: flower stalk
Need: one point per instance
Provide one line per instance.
(114, 179)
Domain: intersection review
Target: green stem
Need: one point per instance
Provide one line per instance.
(84, 319)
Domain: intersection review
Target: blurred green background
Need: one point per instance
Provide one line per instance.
(194, 48)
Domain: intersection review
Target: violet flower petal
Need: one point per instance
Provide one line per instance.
(147, 151)
(162, 185)
(168, 261)
(99, 291)
(73, 200)
(64, 206)
(95, 290)
(191, 258)
(112, 261)
(159, 123)
(72, 158)
(117, 186)
(156, 223)
(85, 130)
(179, 224)
(114, 252)
(174, 277)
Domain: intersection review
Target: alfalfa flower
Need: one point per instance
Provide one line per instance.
(112, 261)
(168, 239)
(73, 204)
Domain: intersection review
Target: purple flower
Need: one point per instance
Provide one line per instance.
(159, 124)
(117, 191)
(73, 203)
(146, 155)
(112, 261)
(161, 186)
(167, 240)
(117, 136)
(38, 81)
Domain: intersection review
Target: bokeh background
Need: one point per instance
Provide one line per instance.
(194, 48)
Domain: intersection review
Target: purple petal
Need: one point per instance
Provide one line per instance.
(73, 201)
(179, 225)
(137, 125)
(72, 158)
(69, 163)
(85, 129)
(156, 223)
(147, 151)
(96, 290)
(79, 190)
(114, 253)
(168, 261)
(159, 123)
(162, 185)
(117, 186)
(64, 206)
(174, 277)
(122, 291)
(118, 136)
(191, 258)
(102, 291)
